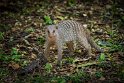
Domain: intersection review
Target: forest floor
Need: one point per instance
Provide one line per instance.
(22, 41)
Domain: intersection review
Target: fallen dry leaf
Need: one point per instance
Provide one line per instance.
(14, 65)
(102, 78)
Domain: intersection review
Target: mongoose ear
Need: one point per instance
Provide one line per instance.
(56, 27)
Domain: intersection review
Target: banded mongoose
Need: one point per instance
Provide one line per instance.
(68, 32)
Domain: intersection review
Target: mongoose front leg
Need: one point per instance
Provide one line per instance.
(70, 46)
(59, 47)
(47, 49)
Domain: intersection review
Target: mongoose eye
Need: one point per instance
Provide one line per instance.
(48, 31)
(53, 31)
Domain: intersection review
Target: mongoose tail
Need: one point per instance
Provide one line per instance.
(92, 42)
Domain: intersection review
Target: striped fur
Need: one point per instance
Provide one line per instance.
(68, 32)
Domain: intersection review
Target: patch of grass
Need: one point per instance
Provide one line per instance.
(41, 40)
(1, 36)
(58, 79)
(4, 27)
(37, 79)
(29, 30)
(101, 57)
(3, 73)
(14, 56)
(117, 47)
(4, 57)
(48, 20)
(48, 67)
(71, 2)
(121, 73)
(24, 63)
(98, 74)
(79, 76)
(68, 60)
(112, 45)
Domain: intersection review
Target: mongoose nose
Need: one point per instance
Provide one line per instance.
(50, 36)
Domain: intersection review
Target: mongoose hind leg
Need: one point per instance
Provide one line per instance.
(84, 42)
(70, 46)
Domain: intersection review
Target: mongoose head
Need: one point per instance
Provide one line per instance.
(51, 31)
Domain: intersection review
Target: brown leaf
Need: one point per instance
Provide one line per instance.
(14, 65)
(33, 56)
(102, 78)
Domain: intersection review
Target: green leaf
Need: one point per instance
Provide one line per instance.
(102, 57)
(61, 80)
(48, 67)
(1, 36)
(60, 17)
(123, 18)
(14, 51)
(72, 2)
(16, 57)
(98, 74)
(41, 40)
(58, 80)
(48, 20)
(29, 30)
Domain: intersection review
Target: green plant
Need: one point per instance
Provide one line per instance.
(68, 60)
(48, 20)
(37, 79)
(24, 63)
(112, 45)
(103, 43)
(116, 47)
(4, 57)
(98, 74)
(78, 76)
(71, 2)
(112, 33)
(58, 80)
(40, 40)
(48, 67)
(3, 73)
(102, 57)
(1, 36)
(4, 27)
(29, 30)
(15, 55)
(1, 51)
(121, 72)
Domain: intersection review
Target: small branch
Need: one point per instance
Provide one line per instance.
(34, 64)
(88, 64)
